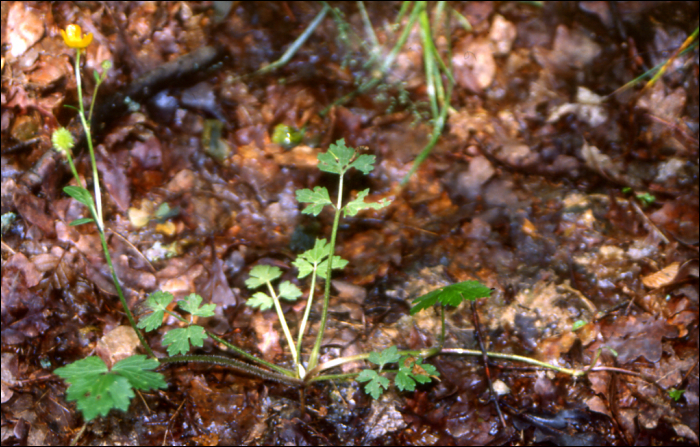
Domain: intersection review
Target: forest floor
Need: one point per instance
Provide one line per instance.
(575, 202)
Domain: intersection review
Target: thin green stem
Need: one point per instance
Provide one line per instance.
(236, 349)
(429, 63)
(294, 47)
(235, 364)
(72, 168)
(516, 358)
(88, 137)
(115, 280)
(313, 359)
(425, 353)
(96, 208)
(307, 311)
(283, 322)
(240, 351)
(376, 49)
(94, 96)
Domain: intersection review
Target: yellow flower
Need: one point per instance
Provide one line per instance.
(73, 37)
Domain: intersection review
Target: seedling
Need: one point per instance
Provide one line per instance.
(97, 388)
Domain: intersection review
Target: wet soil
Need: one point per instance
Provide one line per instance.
(575, 202)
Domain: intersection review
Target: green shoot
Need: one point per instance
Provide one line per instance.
(177, 340)
(675, 394)
(338, 160)
(412, 370)
(264, 274)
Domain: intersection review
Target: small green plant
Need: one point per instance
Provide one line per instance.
(675, 394)
(98, 388)
(646, 198)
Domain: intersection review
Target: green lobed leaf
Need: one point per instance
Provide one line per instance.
(404, 382)
(138, 369)
(260, 300)
(377, 384)
(156, 302)
(191, 304)
(675, 394)
(289, 291)
(359, 204)
(337, 159)
(364, 163)
(318, 253)
(412, 370)
(106, 392)
(80, 194)
(304, 267)
(452, 295)
(388, 355)
(89, 367)
(262, 274)
(338, 264)
(178, 340)
(318, 198)
(97, 390)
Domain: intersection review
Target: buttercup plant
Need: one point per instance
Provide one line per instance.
(98, 388)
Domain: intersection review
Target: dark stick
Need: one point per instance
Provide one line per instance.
(178, 71)
(485, 359)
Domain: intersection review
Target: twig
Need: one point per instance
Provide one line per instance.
(485, 359)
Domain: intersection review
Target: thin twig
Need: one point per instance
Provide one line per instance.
(485, 359)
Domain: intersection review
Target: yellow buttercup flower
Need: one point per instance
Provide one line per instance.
(73, 37)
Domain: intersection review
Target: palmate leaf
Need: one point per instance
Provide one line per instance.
(260, 300)
(156, 302)
(377, 384)
(191, 304)
(411, 371)
(304, 267)
(289, 291)
(97, 390)
(178, 340)
(452, 295)
(389, 355)
(339, 159)
(338, 264)
(317, 258)
(318, 253)
(262, 274)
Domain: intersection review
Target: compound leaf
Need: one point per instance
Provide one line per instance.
(337, 159)
(452, 295)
